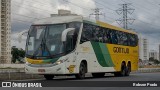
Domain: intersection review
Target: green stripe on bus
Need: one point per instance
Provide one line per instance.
(50, 60)
(106, 54)
(99, 55)
(102, 54)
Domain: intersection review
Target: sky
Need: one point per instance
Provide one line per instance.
(146, 15)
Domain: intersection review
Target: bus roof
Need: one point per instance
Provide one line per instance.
(73, 18)
(58, 20)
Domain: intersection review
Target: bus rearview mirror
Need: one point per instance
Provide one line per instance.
(68, 31)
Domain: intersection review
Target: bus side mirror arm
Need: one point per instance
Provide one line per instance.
(67, 31)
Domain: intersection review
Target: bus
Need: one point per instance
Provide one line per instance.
(75, 45)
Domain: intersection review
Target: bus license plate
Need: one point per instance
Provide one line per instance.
(41, 70)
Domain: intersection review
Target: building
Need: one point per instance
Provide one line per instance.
(5, 31)
(159, 52)
(143, 48)
(62, 12)
(154, 54)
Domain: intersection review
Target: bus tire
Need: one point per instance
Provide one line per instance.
(49, 77)
(128, 69)
(98, 74)
(82, 71)
(122, 72)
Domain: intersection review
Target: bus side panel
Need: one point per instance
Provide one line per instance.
(103, 59)
(121, 53)
(92, 53)
(85, 52)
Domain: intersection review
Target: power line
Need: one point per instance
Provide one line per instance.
(17, 3)
(77, 5)
(150, 24)
(104, 6)
(83, 7)
(25, 16)
(21, 20)
(96, 13)
(26, 9)
(124, 11)
(142, 7)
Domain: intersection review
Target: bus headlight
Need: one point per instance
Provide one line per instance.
(59, 62)
(27, 63)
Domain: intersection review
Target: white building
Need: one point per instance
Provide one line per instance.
(62, 12)
(154, 54)
(143, 48)
(5, 31)
(159, 52)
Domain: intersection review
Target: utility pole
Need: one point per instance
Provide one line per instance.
(97, 13)
(125, 10)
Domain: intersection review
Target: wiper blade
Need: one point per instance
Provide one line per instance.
(45, 48)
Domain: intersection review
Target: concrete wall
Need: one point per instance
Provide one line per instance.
(11, 65)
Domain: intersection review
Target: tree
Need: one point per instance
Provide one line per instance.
(151, 59)
(156, 62)
(17, 54)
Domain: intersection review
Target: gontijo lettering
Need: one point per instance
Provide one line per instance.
(121, 50)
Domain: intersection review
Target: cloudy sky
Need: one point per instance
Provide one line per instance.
(146, 15)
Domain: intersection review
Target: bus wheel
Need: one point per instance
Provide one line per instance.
(128, 70)
(82, 71)
(98, 74)
(122, 72)
(48, 77)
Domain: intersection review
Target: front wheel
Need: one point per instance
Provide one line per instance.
(82, 71)
(48, 77)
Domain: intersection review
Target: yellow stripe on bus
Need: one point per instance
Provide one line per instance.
(32, 61)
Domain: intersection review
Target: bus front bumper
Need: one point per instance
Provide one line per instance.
(44, 69)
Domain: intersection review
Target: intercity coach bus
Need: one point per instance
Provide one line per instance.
(74, 45)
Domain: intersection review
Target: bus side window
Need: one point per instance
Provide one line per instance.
(95, 32)
(125, 39)
(114, 37)
(133, 40)
(136, 40)
(120, 36)
(77, 26)
(105, 38)
(129, 39)
(100, 34)
(86, 33)
(70, 43)
(108, 36)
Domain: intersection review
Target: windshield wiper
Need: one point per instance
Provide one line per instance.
(45, 47)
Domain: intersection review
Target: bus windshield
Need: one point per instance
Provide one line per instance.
(45, 40)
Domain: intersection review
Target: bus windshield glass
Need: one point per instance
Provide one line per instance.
(45, 40)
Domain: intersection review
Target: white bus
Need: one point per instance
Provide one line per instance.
(73, 45)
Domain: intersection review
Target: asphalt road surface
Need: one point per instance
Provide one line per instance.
(108, 77)
(111, 77)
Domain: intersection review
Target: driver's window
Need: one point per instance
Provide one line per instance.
(70, 43)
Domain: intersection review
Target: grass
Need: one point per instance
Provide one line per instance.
(149, 66)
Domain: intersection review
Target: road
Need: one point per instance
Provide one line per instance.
(108, 77)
